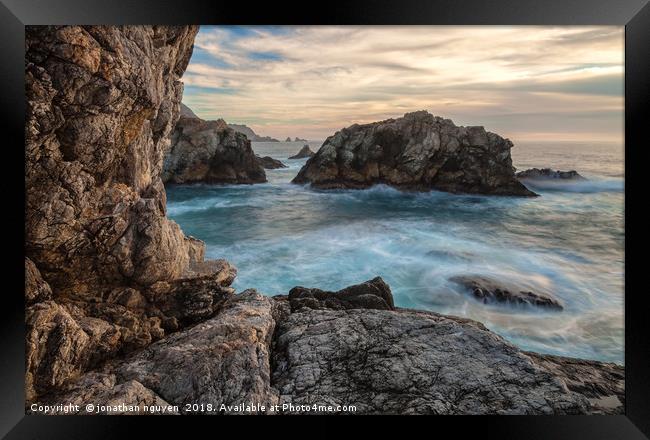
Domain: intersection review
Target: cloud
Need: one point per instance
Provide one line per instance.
(310, 81)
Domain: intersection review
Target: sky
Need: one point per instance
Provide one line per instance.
(527, 83)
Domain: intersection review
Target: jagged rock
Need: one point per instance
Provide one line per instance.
(55, 348)
(209, 151)
(297, 139)
(224, 360)
(36, 289)
(488, 291)
(547, 173)
(415, 152)
(373, 294)
(288, 139)
(101, 103)
(269, 163)
(602, 383)
(108, 397)
(304, 152)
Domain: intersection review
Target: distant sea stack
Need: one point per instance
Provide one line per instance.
(211, 152)
(250, 134)
(416, 152)
(304, 152)
(549, 174)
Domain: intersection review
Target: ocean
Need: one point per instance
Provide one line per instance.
(570, 241)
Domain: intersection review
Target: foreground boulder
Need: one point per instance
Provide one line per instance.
(210, 152)
(269, 163)
(548, 174)
(304, 152)
(416, 152)
(489, 291)
(259, 352)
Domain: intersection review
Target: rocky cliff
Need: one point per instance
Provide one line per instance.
(106, 271)
(211, 152)
(418, 151)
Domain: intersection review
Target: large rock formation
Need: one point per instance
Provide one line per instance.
(258, 352)
(211, 152)
(417, 152)
(106, 271)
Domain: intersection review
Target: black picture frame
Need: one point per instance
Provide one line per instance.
(633, 14)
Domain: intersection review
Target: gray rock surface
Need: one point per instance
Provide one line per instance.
(304, 152)
(211, 152)
(417, 152)
(269, 163)
(410, 362)
(489, 291)
(548, 174)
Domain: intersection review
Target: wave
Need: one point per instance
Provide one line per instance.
(578, 186)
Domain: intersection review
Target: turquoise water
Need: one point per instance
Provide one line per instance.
(568, 241)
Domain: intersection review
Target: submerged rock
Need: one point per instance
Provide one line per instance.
(488, 291)
(269, 163)
(547, 173)
(304, 152)
(418, 152)
(210, 151)
(265, 351)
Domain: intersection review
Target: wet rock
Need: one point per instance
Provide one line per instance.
(548, 174)
(269, 163)
(488, 291)
(416, 152)
(373, 294)
(304, 152)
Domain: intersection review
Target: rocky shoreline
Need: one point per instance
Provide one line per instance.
(351, 347)
(123, 308)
